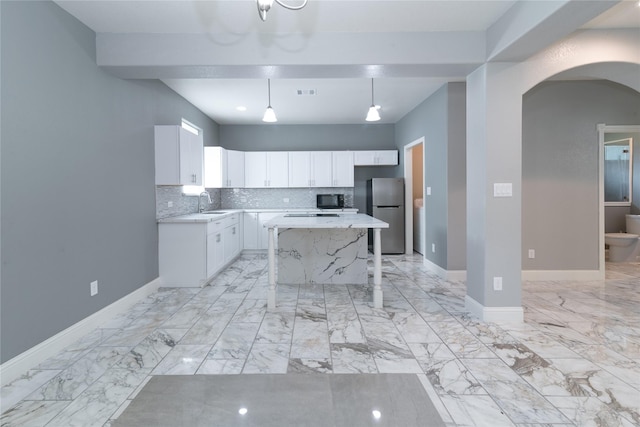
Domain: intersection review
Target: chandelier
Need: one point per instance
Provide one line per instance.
(265, 5)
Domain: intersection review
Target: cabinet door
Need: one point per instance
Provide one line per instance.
(277, 169)
(231, 242)
(250, 239)
(178, 156)
(213, 168)
(191, 158)
(387, 157)
(211, 249)
(255, 169)
(321, 169)
(364, 158)
(343, 170)
(299, 171)
(234, 169)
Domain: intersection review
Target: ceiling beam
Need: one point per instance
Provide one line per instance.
(530, 26)
(325, 55)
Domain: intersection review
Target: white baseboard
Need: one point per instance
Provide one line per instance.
(494, 314)
(577, 275)
(19, 365)
(455, 275)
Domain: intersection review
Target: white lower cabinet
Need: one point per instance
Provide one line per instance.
(256, 235)
(191, 253)
(231, 242)
(215, 247)
(250, 221)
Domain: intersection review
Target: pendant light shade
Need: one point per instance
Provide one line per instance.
(269, 114)
(372, 115)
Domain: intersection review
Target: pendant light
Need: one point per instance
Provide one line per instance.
(372, 115)
(269, 114)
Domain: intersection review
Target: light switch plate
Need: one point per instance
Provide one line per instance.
(502, 189)
(428, 191)
(497, 283)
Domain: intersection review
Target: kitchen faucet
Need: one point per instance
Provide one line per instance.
(200, 207)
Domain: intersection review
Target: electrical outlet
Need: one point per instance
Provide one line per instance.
(433, 248)
(286, 200)
(94, 288)
(532, 253)
(497, 283)
(169, 204)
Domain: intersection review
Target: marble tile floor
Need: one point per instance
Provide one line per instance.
(575, 361)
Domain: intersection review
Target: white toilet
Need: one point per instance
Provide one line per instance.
(625, 247)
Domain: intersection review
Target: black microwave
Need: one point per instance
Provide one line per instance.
(330, 201)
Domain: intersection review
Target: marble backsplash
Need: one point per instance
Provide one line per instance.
(242, 198)
(274, 198)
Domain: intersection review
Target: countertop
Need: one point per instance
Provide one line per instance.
(200, 217)
(340, 221)
(222, 213)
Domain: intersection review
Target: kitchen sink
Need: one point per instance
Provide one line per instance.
(213, 213)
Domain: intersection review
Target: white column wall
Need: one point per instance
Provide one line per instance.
(494, 223)
(494, 155)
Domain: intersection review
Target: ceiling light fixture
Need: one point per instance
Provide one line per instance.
(265, 5)
(269, 114)
(372, 115)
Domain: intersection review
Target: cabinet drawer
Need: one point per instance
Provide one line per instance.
(215, 226)
(230, 220)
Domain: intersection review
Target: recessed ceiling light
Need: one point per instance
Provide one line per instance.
(241, 108)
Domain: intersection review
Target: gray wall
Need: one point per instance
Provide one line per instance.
(560, 168)
(321, 138)
(77, 175)
(441, 120)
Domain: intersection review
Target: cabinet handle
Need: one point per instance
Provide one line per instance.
(217, 238)
(265, 183)
(233, 230)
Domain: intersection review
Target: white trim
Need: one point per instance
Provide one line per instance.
(408, 192)
(577, 275)
(494, 314)
(455, 275)
(19, 365)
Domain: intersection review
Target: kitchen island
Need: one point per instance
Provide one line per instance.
(323, 249)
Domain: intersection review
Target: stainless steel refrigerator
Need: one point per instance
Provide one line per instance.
(385, 201)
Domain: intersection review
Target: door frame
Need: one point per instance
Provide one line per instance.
(408, 192)
(602, 129)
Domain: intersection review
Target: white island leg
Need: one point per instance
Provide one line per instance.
(377, 269)
(271, 295)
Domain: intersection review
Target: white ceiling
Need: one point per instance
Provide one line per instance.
(338, 100)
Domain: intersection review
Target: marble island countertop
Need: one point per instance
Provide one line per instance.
(222, 213)
(338, 221)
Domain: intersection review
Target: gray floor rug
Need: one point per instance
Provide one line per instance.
(299, 400)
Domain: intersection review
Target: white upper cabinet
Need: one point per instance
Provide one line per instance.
(178, 156)
(342, 168)
(376, 158)
(223, 168)
(310, 169)
(265, 169)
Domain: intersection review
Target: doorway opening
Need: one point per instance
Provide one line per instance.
(612, 212)
(414, 197)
